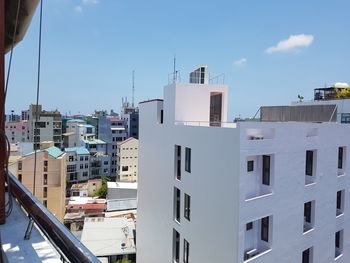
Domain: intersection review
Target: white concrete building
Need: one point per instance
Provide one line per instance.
(121, 196)
(78, 163)
(127, 160)
(78, 131)
(211, 191)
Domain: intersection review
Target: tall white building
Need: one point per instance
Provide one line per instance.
(127, 160)
(212, 191)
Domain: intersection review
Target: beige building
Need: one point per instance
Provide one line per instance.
(127, 160)
(50, 181)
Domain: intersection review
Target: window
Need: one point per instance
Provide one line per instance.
(309, 163)
(178, 162)
(188, 159)
(338, 243)
(249, 226)
(45, 192)
(71, 158)
(20, 177)
(266, 170)
(45, 203)
(161, 116)
(85, 174)
(265, 229)
(45, 179)
(186, 250)
(340, 157)
(307, 255)
(20, 165)
(81, 166)
(345, 118)
(125, 168)
(187, 207)
(105, 162)
(340, 202)
(176, 246)
(81, 158)
(177, 204)
(86, 165)
(250, 166)
(309, 211)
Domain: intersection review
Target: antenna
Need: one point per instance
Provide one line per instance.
(174, 76)
(133, 88)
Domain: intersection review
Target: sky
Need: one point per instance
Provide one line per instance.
(270, 51)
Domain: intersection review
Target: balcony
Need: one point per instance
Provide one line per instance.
(50, 240)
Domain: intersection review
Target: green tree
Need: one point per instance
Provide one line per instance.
(102, 192)
(124, 260)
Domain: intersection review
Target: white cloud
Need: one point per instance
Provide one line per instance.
(78, 9)
(240, 62)
(293, 43)
(90, 2)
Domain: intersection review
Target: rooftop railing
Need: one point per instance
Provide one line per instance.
(66, 244)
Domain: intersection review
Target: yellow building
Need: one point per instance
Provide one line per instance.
(50, 179)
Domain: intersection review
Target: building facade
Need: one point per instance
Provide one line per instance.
(127, 160)
(50, 180)
(212, 191)
(78, 164)
(17, 131)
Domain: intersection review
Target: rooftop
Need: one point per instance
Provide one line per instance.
(52, 151)
(78, 150)
(76, 120)
(94, 141)
(122, 185)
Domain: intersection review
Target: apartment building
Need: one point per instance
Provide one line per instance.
(50, 179)
(17, 131)
(99, 159)
(112, 130)
(127, 160)
(77, 130)
(212, 191)
(130, 114)
(47, 128)
(78, 163)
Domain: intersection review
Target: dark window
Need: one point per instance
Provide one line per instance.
(45, 179)
(20, 177)
(306, 256)
(45, 192)
(186, 250)
(161, 116)
(249, 226)
(337, 239)
(178, 162)
(339, 197)
(266, 170)
(307, 211)
(20, 165)
(81, 166)
(125, 168)
(45, 203)
(340, 157)
(81, 158)
(177, 202)
(187, 207)
(309, 162)
(188, 160)
(345, 118)
(86, 158)
(176, 246)
(250, 166)
(265, 229)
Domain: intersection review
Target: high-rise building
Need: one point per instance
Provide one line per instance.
(47, 128)
(131, 116)
(212, 191)
(50, 177)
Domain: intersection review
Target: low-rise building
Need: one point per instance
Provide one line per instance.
(17, 131)
(89, 188)
(78, 163)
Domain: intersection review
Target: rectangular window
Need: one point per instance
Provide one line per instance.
(309, 216)
(340, 157)
(309, 163)
(86, 158)
(307, 254)
(177, 204)
(307, 212)
(20, 177)
(186, 250)
(178, 162)
(345, 118)
(187, 207)
(71, 158)
(45, 203)
(81, 166)
(161, 116)
(338, 243)
(45, 179)
(45, 192)
(188, 159)
(340, 202)
(176, 246)
(81, 158)
(250, 166)
(249, 226)
(125, 168)
(266, 170)
(265, 229)
(20, 165)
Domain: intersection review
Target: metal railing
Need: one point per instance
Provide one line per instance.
(66, 244)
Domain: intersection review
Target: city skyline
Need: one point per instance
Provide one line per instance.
(286, 50)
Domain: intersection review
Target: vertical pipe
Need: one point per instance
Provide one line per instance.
(2, 113)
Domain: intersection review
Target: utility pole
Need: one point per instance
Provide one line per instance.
(2, 113)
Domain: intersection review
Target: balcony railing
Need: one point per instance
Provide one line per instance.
(66, 244)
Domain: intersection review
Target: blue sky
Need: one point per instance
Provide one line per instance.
(270, 51)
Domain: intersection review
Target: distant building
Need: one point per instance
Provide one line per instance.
(50, 180)
(112, 130)
(121, 196)
(131, 116)
(17, 131)
(87, 189)
(48, 127)
(99, 160)
(78, 163)
(77, 130)
(25, 115)
(127, 160)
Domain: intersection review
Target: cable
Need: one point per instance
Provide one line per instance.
(37, 91)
